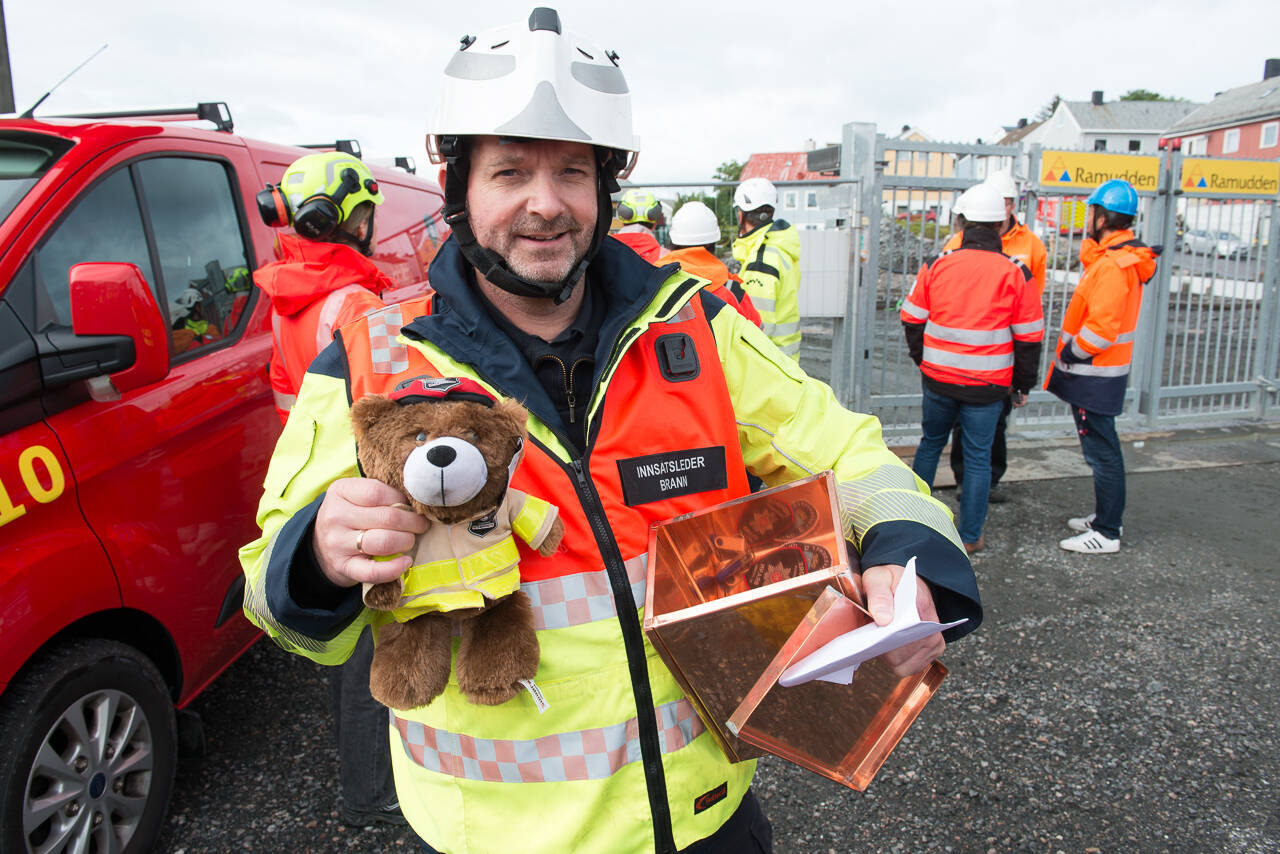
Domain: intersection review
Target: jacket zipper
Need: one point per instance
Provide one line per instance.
(637, 662)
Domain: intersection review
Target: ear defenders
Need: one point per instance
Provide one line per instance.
(627, 214)
(319, 215)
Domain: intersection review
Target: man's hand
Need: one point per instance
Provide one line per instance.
(1019, 399)
(358, 520)
(878, 584)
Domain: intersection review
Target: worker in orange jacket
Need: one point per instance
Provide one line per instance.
(324, 277)
(1020, 243)
(695, 231)
(323, 280)
(974, 325)
(1090, 370)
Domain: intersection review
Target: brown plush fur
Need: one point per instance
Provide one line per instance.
(499, 646)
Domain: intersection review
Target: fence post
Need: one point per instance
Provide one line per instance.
(860, 140)
(1154, 320)
(1267, 352)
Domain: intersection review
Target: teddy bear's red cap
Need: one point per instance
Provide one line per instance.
(436, 389)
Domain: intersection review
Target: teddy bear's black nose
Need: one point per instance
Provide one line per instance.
(441, 455)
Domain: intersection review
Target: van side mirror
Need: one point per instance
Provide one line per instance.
(112, 299)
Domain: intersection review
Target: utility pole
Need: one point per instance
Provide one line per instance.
(6, 76)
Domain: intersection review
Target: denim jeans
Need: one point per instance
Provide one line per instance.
(978, 428)
(362, 729)
(1101, 447)
(999, 448)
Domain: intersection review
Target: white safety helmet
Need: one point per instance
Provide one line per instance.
(534, 80)
(694, 224)
(755, 193)
(1004, 183)
(981, 203)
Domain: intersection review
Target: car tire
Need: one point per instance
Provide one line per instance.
(88, 751)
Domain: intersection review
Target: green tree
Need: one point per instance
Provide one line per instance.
(1047, 109)
(722, 204)
(1145, 95)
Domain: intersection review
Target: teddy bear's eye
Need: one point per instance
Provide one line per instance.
(420, 438)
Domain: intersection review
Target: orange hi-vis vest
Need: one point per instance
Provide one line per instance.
(973, 303)
(664, 442)
(314, 289)
(1020, 244)
(698, 261)
(1091, 365)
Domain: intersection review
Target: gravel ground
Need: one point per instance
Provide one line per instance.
(1109, 703)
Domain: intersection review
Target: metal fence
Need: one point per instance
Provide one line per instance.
(1208, 342)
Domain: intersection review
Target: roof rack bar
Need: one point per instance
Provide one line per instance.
(211, 111)
(346, 146)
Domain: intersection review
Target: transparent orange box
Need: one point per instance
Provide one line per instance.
(738, 592)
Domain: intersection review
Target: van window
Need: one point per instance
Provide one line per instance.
(200, 246)
(104, 225)
(24, 158)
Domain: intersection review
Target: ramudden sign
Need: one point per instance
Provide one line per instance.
(1233, 177)
(1081, 170)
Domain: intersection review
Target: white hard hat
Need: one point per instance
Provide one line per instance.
(694, 224)
(535, 81)
(1004, 183)
(755, 193)
(981, 203)
(182, 304)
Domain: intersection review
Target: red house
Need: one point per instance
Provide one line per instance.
(1243, 122)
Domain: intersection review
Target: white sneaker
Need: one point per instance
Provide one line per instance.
(1085, 523)
(1090, 543)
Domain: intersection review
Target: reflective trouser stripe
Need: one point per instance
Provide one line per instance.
(386, 354)
(583, 597)
(589, 754)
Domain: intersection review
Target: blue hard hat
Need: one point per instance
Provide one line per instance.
(1116, 195)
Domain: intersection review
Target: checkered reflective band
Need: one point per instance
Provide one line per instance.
(589, 754)
(583, 597)
(388, 355)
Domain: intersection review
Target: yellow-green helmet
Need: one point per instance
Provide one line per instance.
(639, 206)
(321, 191)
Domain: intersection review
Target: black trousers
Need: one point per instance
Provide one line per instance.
(999, 450)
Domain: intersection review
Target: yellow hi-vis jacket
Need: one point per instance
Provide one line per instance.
(619, 762)
(770, 258)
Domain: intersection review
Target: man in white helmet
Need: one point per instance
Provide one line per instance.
(769, 251)
(628, 371)
(694, 233)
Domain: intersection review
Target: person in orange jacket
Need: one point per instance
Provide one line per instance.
(639, 212)
(1090, 370)
(695, 231)
(1020, 243)
(324, 277)
(323, 280)
(974, 325)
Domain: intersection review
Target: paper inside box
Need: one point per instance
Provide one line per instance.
(733, 593)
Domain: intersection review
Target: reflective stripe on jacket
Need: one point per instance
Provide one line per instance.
(969, 312)
(697, 261)
(770, 258)
(1021, 244)
(1095, 348)
(315, 288)
(618, 757)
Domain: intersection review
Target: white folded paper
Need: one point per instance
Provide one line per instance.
(839, 658)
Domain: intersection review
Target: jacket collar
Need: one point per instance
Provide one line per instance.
(980, 238)
(460, 325)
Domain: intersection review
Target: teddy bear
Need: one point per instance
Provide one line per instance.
(452, 449)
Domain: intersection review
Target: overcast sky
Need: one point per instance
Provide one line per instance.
(710, 82)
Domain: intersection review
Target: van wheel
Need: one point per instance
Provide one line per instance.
(88, 751)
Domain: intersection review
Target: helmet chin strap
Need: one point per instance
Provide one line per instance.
(493, 266)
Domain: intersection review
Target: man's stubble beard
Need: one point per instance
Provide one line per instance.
(579, 237)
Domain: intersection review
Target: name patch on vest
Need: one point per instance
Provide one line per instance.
(483, 525)
(658, 476)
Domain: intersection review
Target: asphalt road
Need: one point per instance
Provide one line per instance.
(1109, 703)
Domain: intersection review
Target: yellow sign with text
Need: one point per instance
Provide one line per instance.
(1234, 177)
(1083, 171)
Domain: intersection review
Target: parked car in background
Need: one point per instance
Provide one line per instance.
(1223, 244)
(136, 423)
